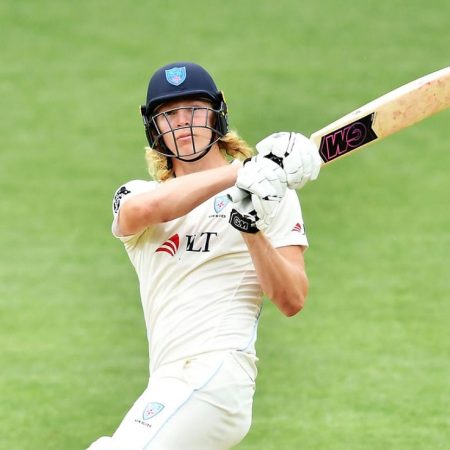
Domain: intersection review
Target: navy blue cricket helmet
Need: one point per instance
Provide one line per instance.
(182, 80)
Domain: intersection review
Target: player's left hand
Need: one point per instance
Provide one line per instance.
(261, 185)
(295, 153)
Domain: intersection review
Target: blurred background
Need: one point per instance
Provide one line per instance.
(365, 365)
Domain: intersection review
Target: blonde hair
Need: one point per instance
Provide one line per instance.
(231, 145)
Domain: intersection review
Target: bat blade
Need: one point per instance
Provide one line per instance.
(384, 116)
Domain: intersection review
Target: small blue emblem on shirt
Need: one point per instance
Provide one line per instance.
(151, 410)
(220, 203)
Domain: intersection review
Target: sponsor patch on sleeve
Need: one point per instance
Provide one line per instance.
(121, 192)
(299, 228)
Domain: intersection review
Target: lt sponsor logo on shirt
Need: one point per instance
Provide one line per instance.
(197, 242)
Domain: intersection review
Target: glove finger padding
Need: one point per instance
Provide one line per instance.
(293, 167)
(265, 182)
(262, 177)
(295, 153)
(277, 144)
(298, 166)
(265, 210)
(274, 179)
(307, 158)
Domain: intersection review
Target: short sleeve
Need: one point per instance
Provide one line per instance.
(288, 227)
(124, 193)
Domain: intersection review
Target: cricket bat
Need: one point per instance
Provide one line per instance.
(384, 116)
(380, 118)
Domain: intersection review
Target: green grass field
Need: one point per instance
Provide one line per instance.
(365, 366)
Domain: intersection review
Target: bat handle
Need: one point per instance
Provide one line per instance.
(236, 194)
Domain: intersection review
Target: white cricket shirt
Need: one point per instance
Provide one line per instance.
(198, 285)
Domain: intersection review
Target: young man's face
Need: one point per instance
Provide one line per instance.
(185, 125)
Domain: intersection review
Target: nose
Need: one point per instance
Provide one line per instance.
(183, 117)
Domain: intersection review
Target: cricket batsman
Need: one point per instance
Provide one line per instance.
(214, 230)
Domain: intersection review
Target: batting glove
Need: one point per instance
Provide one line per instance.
(295, 153)
(260, 186)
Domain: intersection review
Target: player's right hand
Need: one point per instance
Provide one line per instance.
(295, 153)
(260, 187)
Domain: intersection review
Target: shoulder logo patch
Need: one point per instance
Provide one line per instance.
(176, 75)
(118, 197)
(170, 246)
(299, 228)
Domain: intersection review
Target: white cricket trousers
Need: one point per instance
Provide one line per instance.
(203, 403)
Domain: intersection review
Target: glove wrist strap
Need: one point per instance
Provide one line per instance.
(244, 223)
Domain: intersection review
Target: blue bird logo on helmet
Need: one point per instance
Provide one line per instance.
(180, 81)
(176, 75)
